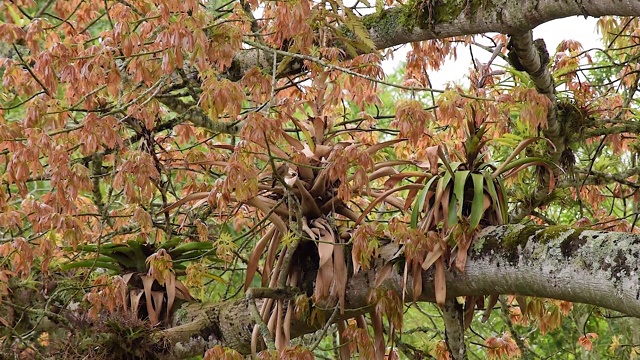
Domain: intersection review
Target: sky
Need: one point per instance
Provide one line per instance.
(553, 32)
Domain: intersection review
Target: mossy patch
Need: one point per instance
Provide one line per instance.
(507, 244)
(516, 239)
(447, 11)
(388, 21)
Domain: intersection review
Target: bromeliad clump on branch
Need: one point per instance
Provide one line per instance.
(456, 199)
(305, 198)
(310, 194)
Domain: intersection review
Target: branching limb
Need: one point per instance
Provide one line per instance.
(453, 316)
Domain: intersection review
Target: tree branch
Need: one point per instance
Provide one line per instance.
(557, 262)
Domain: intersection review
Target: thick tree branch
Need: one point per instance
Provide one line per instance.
(395, 27)
(453, 316)
(406, 24)
(553, 262)
(532, 57)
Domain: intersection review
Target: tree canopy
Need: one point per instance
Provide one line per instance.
(236, 178)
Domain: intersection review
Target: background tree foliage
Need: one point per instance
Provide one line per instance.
(211, 178)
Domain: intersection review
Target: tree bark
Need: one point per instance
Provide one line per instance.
(578, 265)
(394, 26)
(406, 24)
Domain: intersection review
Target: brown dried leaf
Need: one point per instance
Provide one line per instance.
(269, 261)
(147, 282)
(295, 143)
(292, 177)
(413, 193)
(341, 275)
(320, 183)
(463, 248)
(309, 206)
(345, 354)
(383, 274)
(255, 336)
(416, 273)
(186, 199)
(183, 292)
(325, 247)
(158, 302)
(319, 127)
(378, 335)
(469, 309)
(257, 252)
(373, 149)
(405, 277)
(127, 278)
(440, 282)
(395, 179)
(134, 297)
(493, 299)
(170, 286)
(281, 342)
(432, 257)
(275, 219)
(523, 304)
(382, 172)
(286, 328)
(386, 196)
(432, 156)
(323, 281)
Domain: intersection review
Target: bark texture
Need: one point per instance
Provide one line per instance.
(394, 26)
(406, 24)
(586, 266)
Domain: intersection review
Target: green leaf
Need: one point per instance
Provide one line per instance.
(526, 161)
(502, 196)
(478, 200)
(458, 189)
(140, 257)
(442, 185)
(90, 264)
(419, 204)
(510, 140)
(452, 218)
(491, 189)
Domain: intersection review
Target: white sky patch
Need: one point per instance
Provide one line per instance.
(553, 32)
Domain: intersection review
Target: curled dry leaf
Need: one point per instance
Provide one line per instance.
(341, 275)
(252, 265)
(170, 288)
(183, 292)
(378, 335)
(147, 282)
(493, 299)
(386, 196)
(325, 247)
(186, 199)
(383, 274)
(440, 282)
(308, 203)
(432, 257)
(134, 297)
(345, 353)
(417, 280)
(432, 156)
